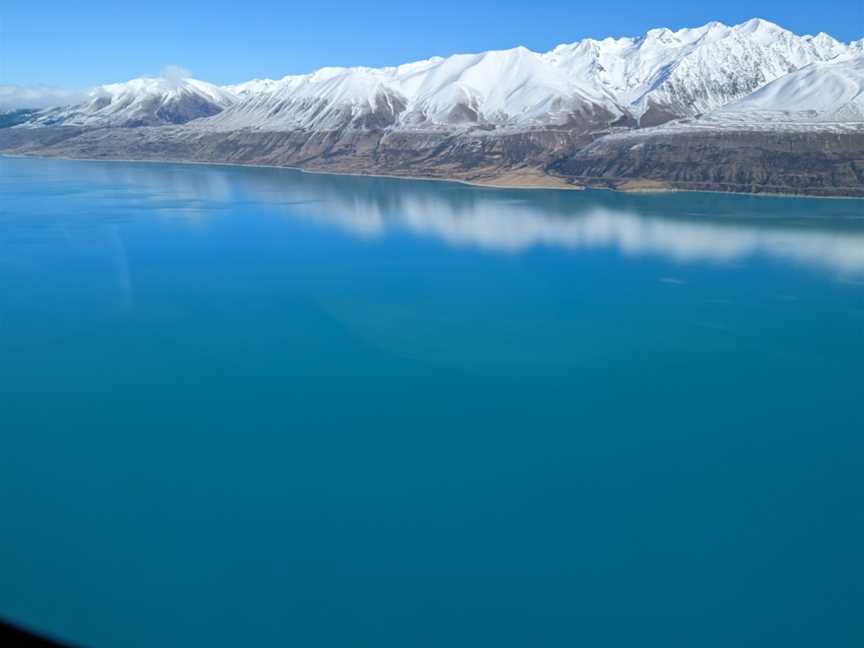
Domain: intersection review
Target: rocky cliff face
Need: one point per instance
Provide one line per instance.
(817, 163)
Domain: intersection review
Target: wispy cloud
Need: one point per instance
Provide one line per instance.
(175, 73)
(38, 96)
(13, 97)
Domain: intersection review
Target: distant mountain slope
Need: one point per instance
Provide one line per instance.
(14, 117)
(141, 102)
(802, 133)
(820, 92)
(249, 88)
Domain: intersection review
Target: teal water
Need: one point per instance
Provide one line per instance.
(259, 407)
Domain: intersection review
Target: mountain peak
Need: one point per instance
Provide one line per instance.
(143, 101)
(758, 24)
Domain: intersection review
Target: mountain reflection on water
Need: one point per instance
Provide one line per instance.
(685, 227)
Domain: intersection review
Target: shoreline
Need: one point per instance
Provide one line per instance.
(657, 189)
(477, 185)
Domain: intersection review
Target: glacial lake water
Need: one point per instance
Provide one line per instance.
(247, 406)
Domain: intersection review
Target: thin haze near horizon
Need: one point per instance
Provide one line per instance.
(78, 46)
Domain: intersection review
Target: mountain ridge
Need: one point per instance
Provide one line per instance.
(650, 79)
(607, 112)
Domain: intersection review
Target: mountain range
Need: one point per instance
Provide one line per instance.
(668, 109)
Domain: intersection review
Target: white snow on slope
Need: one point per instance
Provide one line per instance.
(718, 64)
(147, 101)
(253, 87)
(827, 92)
(498, 87)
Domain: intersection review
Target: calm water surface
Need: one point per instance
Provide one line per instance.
(258, 407)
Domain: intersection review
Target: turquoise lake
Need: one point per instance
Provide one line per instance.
(250, 406)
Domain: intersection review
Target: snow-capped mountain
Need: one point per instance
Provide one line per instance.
(657, 77)
(589, 85)
(749, 107)
(142, 102)
(501, 88)
(694, 71)
(827, 92)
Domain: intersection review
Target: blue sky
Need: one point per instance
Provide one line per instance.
(95, 41)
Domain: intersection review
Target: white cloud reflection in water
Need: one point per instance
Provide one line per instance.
(517, 228)
(827, 234)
